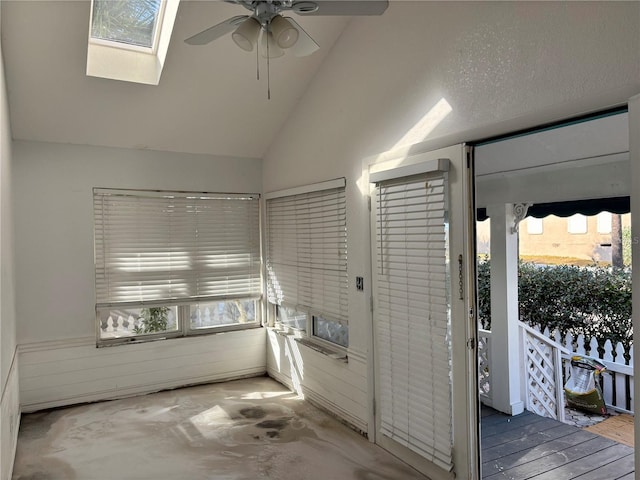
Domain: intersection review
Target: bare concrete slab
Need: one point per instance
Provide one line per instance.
(242, 430)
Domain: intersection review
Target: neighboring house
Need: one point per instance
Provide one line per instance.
(577, 237)
(423, 76)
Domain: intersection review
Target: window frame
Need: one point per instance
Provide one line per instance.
(183, 321)
(183, 306)
(128, 62)
(157, 30)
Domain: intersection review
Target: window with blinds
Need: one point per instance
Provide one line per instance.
(412, 315)
(179, 261)
(307, 258)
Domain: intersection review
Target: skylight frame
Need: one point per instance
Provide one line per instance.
(157, 29)
(133, 63)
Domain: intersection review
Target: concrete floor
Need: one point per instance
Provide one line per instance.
(242, 430)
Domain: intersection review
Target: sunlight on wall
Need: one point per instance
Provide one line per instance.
(417, 134)
(297, 364)
(275, 347)
(426, 125)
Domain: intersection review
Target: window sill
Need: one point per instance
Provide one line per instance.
(133, 340)
(327, 351)
(302, 338)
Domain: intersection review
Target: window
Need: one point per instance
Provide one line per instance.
(534, 226)
(577, 224)
(290, 318)
(604, 222)
(132, 22)
(129, 39)
(174, 263)
(307, 260)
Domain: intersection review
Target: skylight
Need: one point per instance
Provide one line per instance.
(129, 39)
(131, 22)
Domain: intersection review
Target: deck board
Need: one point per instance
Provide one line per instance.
(496, 447)
(528, 446)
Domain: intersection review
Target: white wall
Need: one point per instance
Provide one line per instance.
(9, 403)
(457, 72)
(55, 296)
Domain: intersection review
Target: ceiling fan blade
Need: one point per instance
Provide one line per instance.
(217, 31)
(305, 45)
(248, 4)
(340, 7)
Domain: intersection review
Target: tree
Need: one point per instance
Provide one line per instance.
(617, 260)
(130, 21)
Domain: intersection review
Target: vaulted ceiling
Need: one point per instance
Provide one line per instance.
(208, 99)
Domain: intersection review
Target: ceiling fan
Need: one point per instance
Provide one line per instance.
(281, 33)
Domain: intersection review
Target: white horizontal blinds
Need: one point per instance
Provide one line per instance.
(412, 318)
(307, 252)
(154, 247)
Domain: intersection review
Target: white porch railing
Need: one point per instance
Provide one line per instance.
(118, 326)
(546, 367)
(542, 364)
(617, 381)
(484, 365)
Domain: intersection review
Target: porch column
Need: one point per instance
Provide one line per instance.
(505, 342)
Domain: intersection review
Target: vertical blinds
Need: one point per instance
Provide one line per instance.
(307, 252)
(152, 247)
(412, 319)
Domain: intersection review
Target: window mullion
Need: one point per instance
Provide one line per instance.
(183, 319)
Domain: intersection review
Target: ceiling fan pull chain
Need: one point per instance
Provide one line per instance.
(257, 64)
(268, 77)
(268, 64)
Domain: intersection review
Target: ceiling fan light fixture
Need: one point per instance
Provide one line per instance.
(274, 51)
(246, 34)
(284, 33)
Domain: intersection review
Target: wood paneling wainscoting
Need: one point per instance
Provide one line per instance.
(72, 371)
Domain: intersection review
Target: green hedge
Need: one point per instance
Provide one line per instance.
(593, 301)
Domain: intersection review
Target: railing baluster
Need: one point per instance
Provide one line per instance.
(607, 380)
(580, 350)
(621, 382)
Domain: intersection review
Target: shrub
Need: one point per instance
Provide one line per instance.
(154, 319)
(594, 301)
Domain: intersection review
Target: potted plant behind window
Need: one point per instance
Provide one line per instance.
(152, 320)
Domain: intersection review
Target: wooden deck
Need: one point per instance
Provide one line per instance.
(530, 446)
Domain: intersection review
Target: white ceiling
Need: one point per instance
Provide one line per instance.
(208, 99)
